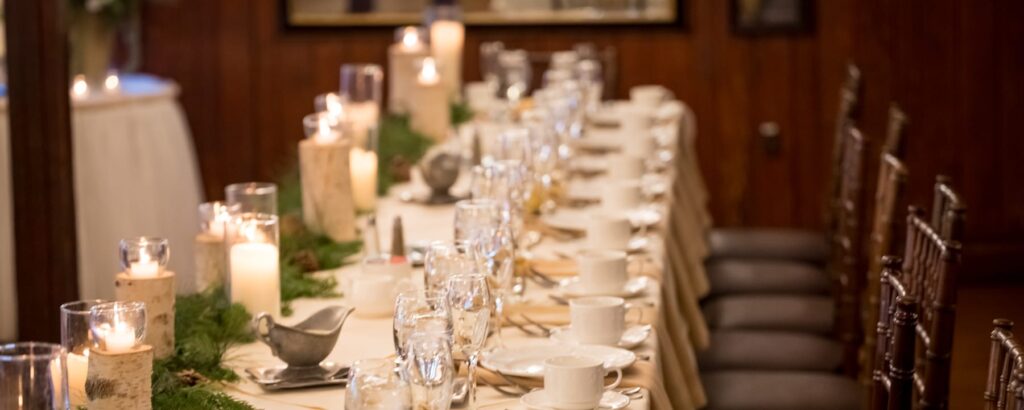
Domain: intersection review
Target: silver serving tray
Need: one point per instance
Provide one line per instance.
(283, 377)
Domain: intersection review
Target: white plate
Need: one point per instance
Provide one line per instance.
(570, 288)
(590, 164)
(601, 139)
(567, 220)
(586, 190)
(528, 361)
(631, 338)
(538, 400)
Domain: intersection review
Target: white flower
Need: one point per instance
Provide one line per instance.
(94, 6)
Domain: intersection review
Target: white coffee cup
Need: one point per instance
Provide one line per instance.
(576, 382)
(597, 320)
(625, 166)
(642, 146)
(608, 232)
(635, 121)
(622, 196)
(372, 296)
(648, 96)
(602, 272)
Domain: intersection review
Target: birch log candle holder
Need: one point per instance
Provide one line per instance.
(146, 280)
(211, 267)
(324, 165)
(429, 113)
(120, 365)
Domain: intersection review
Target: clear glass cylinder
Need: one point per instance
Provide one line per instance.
(76, 339)
(374, 385)
(214, 217)
(361, 90)
(439, 12)
(254, 262)
(117, 327)
(33, 376)
(258, 197)
(144, 257)
(489, 68)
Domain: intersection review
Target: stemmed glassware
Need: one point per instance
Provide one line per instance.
(469, 298)
(429, 368)
(445, 258)
(416, 310)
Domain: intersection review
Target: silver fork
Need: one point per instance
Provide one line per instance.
(523, 327)
(545, 329)
(543, 280)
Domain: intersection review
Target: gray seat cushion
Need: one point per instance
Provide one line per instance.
(798, 313)
(741, 390)
(770, 350)
(766, 243)
(739, 276)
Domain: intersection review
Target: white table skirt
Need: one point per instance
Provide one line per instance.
(135, 174)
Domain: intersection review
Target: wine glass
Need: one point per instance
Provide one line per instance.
(417, 309)
(444, 258)
(469, 298)
(374, 385)
(429, 368)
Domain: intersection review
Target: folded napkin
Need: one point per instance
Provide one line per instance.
(642, 374)
(567, 267)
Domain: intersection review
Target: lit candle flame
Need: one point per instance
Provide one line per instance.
(334, 105)
(112, 83)
(79, 87)
(428, 72)
(411, 38)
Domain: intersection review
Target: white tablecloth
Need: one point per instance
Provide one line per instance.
(135, 173)
(369, 338)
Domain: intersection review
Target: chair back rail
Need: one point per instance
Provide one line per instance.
(844, 254)
(1004, 389)
(885, 237)
(927, 274)
(849, 97)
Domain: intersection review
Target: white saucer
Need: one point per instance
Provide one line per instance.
(528, 361)
(631, 338)
(570, 288)
(538, 400)
(567, 220)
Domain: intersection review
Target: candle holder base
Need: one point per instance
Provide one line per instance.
(327, 203)
(120, 380)
(211, 267)
(158, 295)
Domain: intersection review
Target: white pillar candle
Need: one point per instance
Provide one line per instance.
(363, 165)
(402, 57)
(363, 116)
(430, 112)
(446, 42)
(145, 267)
(78, 369)
(255, 277)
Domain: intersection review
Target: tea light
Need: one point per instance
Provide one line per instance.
(447, 37)
(430, 112)
(146, 280)
(118, 327)
(214, 216)
(410, 46)
(112, 84)
(330, 103)
(326, 125)
(253, 263)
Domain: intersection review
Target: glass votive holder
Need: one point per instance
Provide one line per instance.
(325, 128)
(260, 197)
(214, 217)
(76, 338)
(361, 83)
(144, 257)
(374, 384)
(253, 263)
(33, 376)
(117, 327)
(330, 103)
(412, 38)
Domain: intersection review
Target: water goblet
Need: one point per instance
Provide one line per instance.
(469, 298)
(445, 258)
(429, 369)
(415, 309)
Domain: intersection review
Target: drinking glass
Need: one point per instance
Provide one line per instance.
(76, 339)
(515, 74)
(444, 258)
(414, 310)
(514, 144)
(429, 369)
(490, 70)
(260, 197)
(476, 218)
(33, 376)
(591, 79)
(469, 298)
(507, 183)
(374, 385)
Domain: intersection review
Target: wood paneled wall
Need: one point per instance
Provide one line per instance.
(247, 81)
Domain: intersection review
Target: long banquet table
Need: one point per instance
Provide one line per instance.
(371, 338)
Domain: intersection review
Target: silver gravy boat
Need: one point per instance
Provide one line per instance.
(307, 343)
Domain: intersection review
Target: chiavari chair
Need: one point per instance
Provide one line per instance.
(928, 274)
(1004, 389)
(885, 236)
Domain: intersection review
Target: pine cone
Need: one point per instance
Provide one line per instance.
(306, 260)
(291, 225)
(191, 377)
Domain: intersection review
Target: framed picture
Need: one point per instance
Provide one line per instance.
(756, 17)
